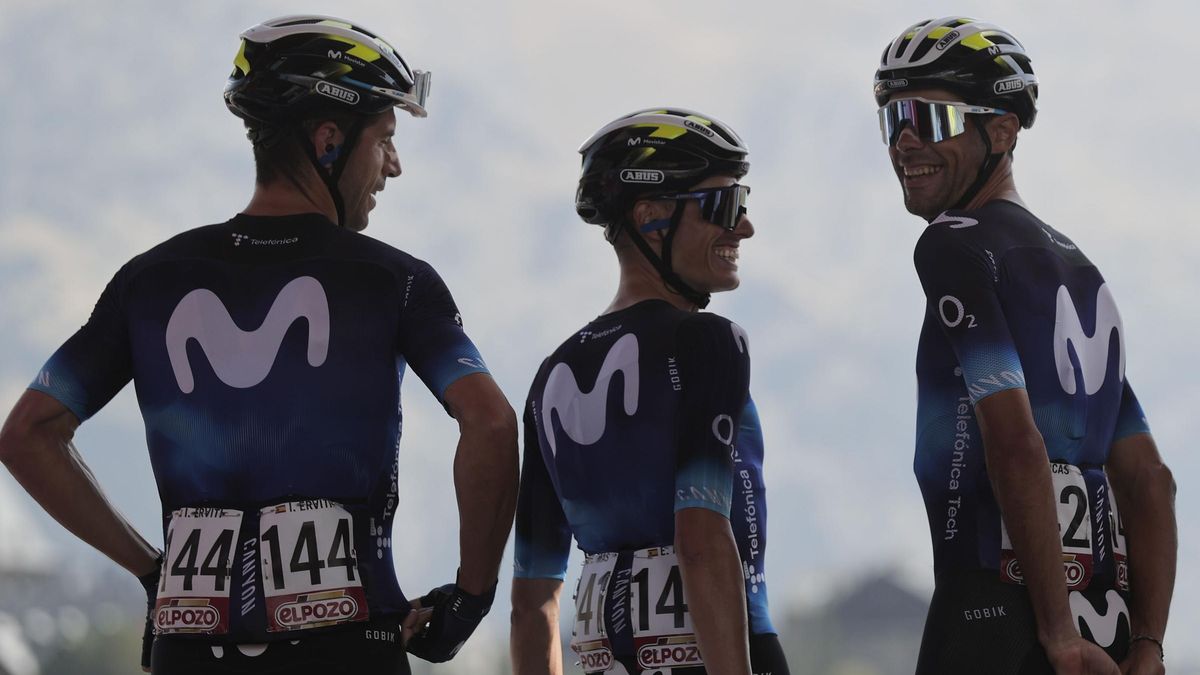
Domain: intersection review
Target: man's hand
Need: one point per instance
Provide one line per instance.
(149, 582)
(455, 615)
(1143, 659)
(1076, 656)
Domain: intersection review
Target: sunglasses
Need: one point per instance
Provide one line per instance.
(931, 121)
(721, 206)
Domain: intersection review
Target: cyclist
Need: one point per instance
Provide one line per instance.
(1029, 435)
(267, 353)
(641, 440)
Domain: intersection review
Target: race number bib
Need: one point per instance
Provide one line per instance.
(589, 638)
(662, 627)
(309, 567)
(193, 593)
(1074, 527)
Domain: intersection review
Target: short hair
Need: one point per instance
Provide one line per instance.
(279, 150)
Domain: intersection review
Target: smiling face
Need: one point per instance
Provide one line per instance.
(372, 161)
(705, 255)
(934, 176)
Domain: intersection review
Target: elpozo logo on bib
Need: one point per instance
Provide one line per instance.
(186, 616)
(318, 608)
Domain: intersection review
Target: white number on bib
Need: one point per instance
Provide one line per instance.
(309, 567)
(589, 639)
(193, 593)
(1117, 527)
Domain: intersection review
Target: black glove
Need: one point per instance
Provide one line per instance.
(456, 613)
(150, 583)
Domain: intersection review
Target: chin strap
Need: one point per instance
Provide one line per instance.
(663, 264)
(990, 162)
(330, 165)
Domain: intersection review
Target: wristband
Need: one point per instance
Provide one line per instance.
(1156, 641)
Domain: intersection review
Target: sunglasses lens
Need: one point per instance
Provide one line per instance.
(931, 122)
(725, 206)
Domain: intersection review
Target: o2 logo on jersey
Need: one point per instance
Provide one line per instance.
(954, 313)
(243, 359)
(583, 416)
(1092, 350)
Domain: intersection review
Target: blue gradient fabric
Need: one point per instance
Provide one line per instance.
(1013, 303)
(267, 355)
(639, 414)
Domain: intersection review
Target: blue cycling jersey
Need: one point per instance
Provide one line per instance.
(641, 413)
(1013, 303)
(267, 355)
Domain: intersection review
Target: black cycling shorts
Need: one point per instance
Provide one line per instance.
(766, 658)
(981, 625)
(371, 648)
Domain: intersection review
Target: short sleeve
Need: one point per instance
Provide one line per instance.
(95, 363)
(714, 364)
(1130, 418)
(432, 338)
(543, 538)
(959, 281)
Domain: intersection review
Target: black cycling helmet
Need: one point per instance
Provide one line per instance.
(648, 152)
(653, 150)
(295, 67)
(298, 68)
(981, 62)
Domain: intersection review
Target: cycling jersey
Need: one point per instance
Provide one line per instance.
(1013, 303)
(643, 412)
(267, 355)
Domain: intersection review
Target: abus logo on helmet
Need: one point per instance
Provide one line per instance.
(337, 93)
(641, 176)
(946, 41)
(305, 611)
(895, 84)
(1008, 85)
(697, 127)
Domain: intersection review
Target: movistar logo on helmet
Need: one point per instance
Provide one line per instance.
(337, 92)
(651, 176)
(946, 41)
(1008, 85)
(696, 126)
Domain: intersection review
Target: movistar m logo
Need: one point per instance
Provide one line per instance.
(1092, 350)
(583, 416)
(242, 359)
(1102, 626)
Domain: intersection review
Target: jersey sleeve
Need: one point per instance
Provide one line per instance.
(1130, 418)
(432, 338)
(714, 364)
(543, 539)
(95, 363)
(959, 280)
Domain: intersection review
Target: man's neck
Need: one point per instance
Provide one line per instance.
(1000, 186)
(286, 196)
(640, 282)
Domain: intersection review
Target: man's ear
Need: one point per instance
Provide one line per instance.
(326, 134)
(648, 210)
(1003, 132)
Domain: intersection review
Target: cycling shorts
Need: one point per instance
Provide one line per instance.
(369, 648)
(982, 625)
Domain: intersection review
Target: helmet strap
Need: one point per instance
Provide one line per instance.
(663, 264)
(990, 162)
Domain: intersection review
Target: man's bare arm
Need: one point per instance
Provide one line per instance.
(1020, 474)
(714, 588)
(534, 642)
(485, 477)
(36, 447)
(1145, 495)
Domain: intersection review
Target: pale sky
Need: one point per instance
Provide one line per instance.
(115, 137)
